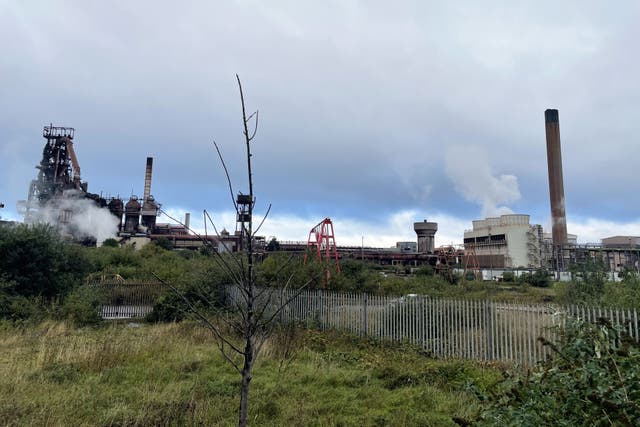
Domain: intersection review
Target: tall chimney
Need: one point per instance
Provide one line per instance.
(187, 222)
(556, 185)
(147, 179)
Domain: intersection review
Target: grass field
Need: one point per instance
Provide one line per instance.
(170, 374)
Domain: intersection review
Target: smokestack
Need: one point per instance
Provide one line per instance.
(556, 185)
(187, 221)
(147, 179)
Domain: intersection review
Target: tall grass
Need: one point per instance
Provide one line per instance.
(170, 374)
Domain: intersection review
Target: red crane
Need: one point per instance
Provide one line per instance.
(322, 241)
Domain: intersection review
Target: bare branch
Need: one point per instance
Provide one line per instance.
(255, 129)
(198, 314)
(226, 172)
(285, 264)
(229, 359)
(262, 222)
(283, 305)
(218, 258)
(220, 239)
(262, 339)
(205, 241)
(264, 305)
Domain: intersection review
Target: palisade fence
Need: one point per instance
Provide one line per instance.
(126, 300)
(443, 327)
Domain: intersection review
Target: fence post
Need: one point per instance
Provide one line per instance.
(488, 327)
(319, 309)
(365, 330)
(421, 316)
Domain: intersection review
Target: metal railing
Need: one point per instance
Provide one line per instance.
(443, 327)
(126, 300)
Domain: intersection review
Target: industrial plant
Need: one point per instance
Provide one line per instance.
(59, 196)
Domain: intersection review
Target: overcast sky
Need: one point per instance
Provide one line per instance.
(374, 113)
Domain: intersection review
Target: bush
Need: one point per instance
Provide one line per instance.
(82, 307)
(203, 287)
(37, 262)
(111, 243)
(508, 276)
(17, 307)
(592, 378)
(539, 278)
(425, 270)
(164, 243)
(625, 294)
(587, 284)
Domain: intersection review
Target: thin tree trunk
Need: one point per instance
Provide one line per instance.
(246, 381)
(250, 321)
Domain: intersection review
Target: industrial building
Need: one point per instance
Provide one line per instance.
(505, 242)
(59, 197)
(58, 186)
(508, 241)
(622, 252)
(406, 247)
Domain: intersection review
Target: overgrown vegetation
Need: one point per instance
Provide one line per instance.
(57, 373)
(590, 286)
(37, 269)
(41, 276)
(592, 378)
(169, 374)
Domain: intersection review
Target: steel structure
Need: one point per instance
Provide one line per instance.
(58, 178)
(446, 261)
(243, 217)
(471, 261)
(59, 169)
(322, 241)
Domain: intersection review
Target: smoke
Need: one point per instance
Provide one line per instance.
(469, 169)
(78, 217)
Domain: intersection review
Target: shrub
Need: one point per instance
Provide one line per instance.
(539, 278)
(508, 276)
(37, 262)
(17, 307)
(625, 294)
(592, 378)
(273, 245)
(82, 307)
(111, 243)
(203, 288)
(425, 270)
(164, 243)
(587, 283)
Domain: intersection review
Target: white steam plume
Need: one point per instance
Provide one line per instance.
(86, 220)
(469, 169)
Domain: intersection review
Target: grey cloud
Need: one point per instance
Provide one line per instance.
(359, 100)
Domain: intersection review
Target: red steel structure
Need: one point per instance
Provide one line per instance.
(471, 261)
(322, 240)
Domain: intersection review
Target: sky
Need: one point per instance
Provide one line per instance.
(373, 113)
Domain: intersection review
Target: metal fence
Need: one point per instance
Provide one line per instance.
(126, 300)
(449, 328)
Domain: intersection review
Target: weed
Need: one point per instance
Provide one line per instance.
(170, 374)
